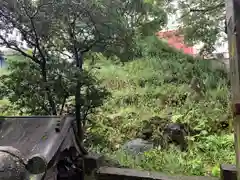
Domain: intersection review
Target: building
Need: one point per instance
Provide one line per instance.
(176, 40)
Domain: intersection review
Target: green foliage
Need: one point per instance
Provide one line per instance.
(52, 28)
(194, 162)
(152, 85)
(160, 81)
(203, 21)
(106, 26)
(23, 87)
(155, 85)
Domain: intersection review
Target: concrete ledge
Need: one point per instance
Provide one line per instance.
(109, 173)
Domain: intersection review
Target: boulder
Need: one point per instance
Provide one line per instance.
(137, 146)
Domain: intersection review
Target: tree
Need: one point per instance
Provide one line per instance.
(107, 26)
(23, 87)
(203, 21)
(51, 28)
(31, 22)
(100, 25)
(141, 19)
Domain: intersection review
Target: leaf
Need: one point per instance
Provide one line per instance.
(204, 132)
(175, 118)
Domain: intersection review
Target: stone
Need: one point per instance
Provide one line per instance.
(175, 133)
(137, 146)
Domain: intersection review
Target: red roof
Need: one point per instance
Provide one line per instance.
(176, 40)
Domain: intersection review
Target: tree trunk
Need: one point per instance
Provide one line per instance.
(79, 65)
(48, 90)
(80, 132)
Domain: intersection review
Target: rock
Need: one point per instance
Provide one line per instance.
(162, 132)
(176, 133)
(137, 146)
(147, 134)
(11, 167)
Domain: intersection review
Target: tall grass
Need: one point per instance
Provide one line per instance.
(154, 85)
(150, 86)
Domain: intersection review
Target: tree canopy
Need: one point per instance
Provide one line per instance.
(202, 21)
(51, 28)
(59, 33)
(94, 24)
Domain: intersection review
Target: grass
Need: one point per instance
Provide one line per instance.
(148, 87)
(154, 85)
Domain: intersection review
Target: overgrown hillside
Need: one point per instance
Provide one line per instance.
(163, 83)
(150, 84)
(160, 83)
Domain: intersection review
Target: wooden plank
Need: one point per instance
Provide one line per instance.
(233, 29)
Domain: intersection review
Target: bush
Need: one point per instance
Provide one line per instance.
(26, 91)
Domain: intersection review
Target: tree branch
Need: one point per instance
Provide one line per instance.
(15, 47)
(63, 103)
(208, 9)
(89, 47)
(35, 34)
(211, 8)
(39, 7)
(43, 62)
